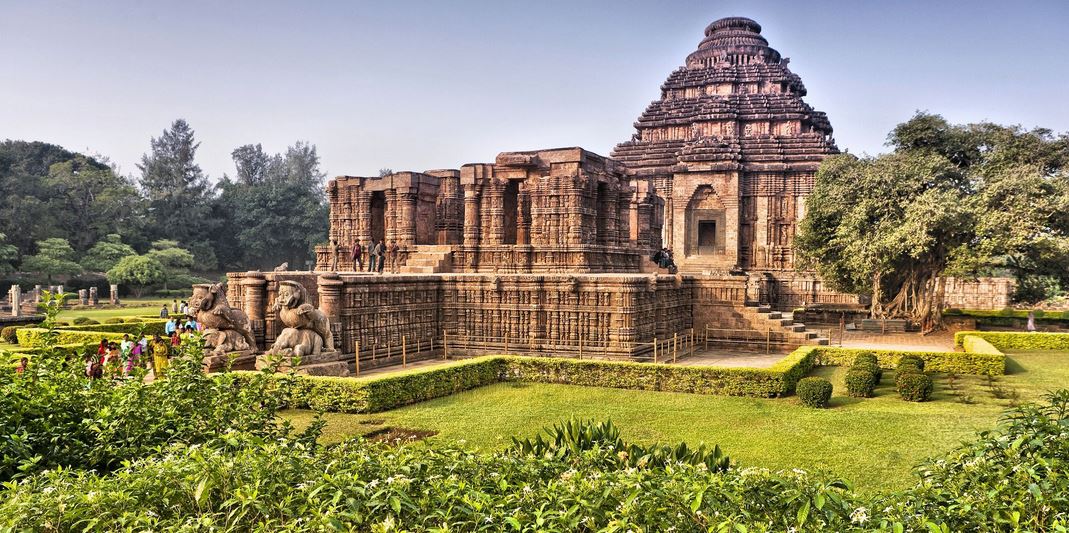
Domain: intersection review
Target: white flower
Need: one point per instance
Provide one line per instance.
(859, 516)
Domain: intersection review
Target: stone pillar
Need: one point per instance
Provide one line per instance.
(497, 212)
(36, 294)
(330, 302)
(15, 296)
(59, 289)
(523, 215)
(471, 215)
(391, 217)
(83, 296)
(406, 232)
(113, 291)
(94, 298)
(363, 217)
(254, 303)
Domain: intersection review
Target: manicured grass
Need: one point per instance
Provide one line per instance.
(131, 307)
(873, 443)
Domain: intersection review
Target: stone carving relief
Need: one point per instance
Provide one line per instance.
(306, 329)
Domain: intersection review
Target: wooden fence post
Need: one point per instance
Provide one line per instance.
(445, 345)
(655, 349)
(357, 357)
(675, 346)
(580, 347)
(404, 352)
(768, 341)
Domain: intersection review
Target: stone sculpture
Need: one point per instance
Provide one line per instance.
(283, 267)
(225, 329)
(307, 329)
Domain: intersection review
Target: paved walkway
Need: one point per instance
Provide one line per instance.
(414, 365)
(728, 358)
(942, 341)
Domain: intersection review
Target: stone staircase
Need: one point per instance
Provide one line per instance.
(429, 259)
(763, 316)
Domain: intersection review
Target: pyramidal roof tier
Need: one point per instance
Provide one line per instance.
(735, 101)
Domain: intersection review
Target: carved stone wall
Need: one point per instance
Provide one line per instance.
(605, 315)
(560, 210)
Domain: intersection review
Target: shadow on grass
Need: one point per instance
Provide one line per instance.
(1014, 367)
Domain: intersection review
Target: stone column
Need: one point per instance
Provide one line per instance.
(406, 233)
(113, 291)
(254, 303)
(391, 212)
(94, 298)
(523, 215)
(497, 212)
(36, 294)
(83, 296)
(471, 215)
(330, 302)
(15, 296)
(363, 217)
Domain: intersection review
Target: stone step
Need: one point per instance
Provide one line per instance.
(764, 309)
(335, 368)
(821, 341)
(775, 314)
(796, 328)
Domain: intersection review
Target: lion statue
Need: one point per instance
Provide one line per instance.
(298, 315)
(225, 329)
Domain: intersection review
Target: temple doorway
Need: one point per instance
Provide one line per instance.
(511, 206)
(378, 216)
(706, 237)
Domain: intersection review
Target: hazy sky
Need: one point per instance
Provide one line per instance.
(421, 85)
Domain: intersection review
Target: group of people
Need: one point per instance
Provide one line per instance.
(663, 258)
(177, 308)
(123, 358)
(176, 325)
(378, 254)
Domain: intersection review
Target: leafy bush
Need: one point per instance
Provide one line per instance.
(905, 370)
(910, 360)
(866, 357)
(9, 335)
(860, 382)
(914, 387)
(114, 320)
(814, 392)
(569, 440)
(975, 344)
(80, 320)
(876, 371)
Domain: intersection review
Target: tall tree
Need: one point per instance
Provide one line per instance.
(950, 200)
(286, 202)
(89, 200)
(9, 255)
(54, 257)
(178, 192)
(106, 253)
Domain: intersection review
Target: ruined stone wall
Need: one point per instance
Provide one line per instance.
(981, 294)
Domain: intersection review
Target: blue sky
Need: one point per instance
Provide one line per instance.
(421, 85)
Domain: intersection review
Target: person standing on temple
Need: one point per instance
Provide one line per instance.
(357, 256)
(335, 252)
(394, 252)
(380, 254)
(371, 256)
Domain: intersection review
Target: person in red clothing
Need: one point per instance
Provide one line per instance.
(23, 363)
(175, 339)
(357, 256)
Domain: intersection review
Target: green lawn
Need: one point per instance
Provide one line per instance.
(873, 443)
(131, 307)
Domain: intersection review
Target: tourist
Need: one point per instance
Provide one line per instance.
(191, 323)
(170, 327)
(1031, 326)
(183, 308)
(163, 311)
(111, 359)
(371, 256)
(394, 252)
(176, 340)
(380, 255)
(23, 364)
(160, 351)
(335, 251)
(94, 368)
(102, 350)
(174, 306)
(133, 359)
(143, 341)
(125, 347)
(357, 255)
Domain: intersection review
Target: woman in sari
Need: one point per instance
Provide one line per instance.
(160, 349)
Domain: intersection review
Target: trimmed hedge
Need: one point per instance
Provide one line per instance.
(860, 382)
(359, 395)
(1012, 340)
(8, 333)
(974, 344)
(34, 337)
(915, 387)
(956, 362)
(152, 327)
(814, 392)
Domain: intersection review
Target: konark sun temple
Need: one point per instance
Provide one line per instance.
(549, 251)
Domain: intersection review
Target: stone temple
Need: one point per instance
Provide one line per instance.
(548, 251)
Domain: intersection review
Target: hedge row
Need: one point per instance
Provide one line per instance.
(974, 344)
(152, 327)
(1011, 340)
(349, 395)
(1009, 313)
(957, 362)
(35, 336)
